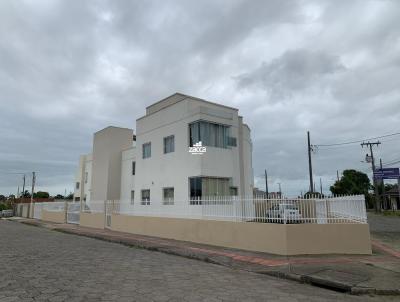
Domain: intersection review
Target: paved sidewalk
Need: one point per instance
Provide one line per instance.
(358, 274)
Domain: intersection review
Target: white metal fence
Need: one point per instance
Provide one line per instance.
(37, 210)
(94, 206)
(73, 212)
(342, 209)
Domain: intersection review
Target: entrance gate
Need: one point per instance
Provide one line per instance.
(73, 212)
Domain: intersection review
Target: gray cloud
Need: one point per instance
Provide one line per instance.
(293, 71)
(69, 68)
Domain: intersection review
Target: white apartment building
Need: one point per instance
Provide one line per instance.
(154, 167)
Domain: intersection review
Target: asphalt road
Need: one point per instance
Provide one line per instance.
(385, 228)
(37, 264)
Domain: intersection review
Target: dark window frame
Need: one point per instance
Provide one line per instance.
(165, 145)
(143, 148)
(145, 201)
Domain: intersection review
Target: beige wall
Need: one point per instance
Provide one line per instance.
(351, 238)
(106, 165)
(263, 237)
(58, 217)
(92, 220)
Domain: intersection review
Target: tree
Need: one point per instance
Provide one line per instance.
(26, 194)
(70, 196)
(352, 182)
(59, 196)
(41, 194)
(2, 198)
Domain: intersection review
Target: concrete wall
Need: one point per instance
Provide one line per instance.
(262, 237)
(92, 220)
(58, 217)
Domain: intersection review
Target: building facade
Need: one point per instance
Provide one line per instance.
(155, 168)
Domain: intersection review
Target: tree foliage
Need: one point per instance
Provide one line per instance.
(41, 194)
(70, 196)
(352, 182)
(26, 194)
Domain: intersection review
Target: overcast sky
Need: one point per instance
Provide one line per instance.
(70, 68)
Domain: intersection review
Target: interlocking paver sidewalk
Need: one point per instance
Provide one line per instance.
(377, 274)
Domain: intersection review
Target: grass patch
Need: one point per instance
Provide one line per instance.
(391, 213)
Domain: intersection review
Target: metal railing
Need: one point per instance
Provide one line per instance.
(58, 206)
(334, 209)
(94, 206)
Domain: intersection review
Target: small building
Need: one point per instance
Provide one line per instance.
(392, 199)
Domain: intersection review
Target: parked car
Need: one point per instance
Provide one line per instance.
(284, 213)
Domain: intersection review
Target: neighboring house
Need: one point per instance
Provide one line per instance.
(155, 167)
(392, 199)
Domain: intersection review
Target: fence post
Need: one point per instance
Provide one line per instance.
(65, 211)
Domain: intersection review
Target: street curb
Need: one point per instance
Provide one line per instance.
(304, 279)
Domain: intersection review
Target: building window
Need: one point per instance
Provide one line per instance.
(133, 168)
(232, 141)
(132, 197)
(84, 198)
(86, 177)
(145, 197)
(233, 191)
(77, 185)
(146, 150)
(209, 134)
(77, 199)
(203, 187)
(169, 144)
(168, 196)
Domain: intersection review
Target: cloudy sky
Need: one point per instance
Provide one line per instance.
(70, 68)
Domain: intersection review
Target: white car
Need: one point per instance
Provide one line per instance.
(285, 213)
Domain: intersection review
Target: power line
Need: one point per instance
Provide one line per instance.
(357, 141)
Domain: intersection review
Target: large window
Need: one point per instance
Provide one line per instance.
(145, 197)
(146, 150)
(132, 197)
(133, 168)
(168, 196)
(208, 186)
(210, 134)
(169, 144)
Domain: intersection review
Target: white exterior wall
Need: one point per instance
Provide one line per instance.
(86, 183)
(174, 169)
(85, 165)
(127, 179)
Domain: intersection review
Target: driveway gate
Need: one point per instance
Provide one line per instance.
(73, 212)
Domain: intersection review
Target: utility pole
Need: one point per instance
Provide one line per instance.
(337, 175)
(266, 183)
(382, 183)
(377, 200)
(309, 162)
(23, 187)
(280, 190)
(320, 185)
(33, 190)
